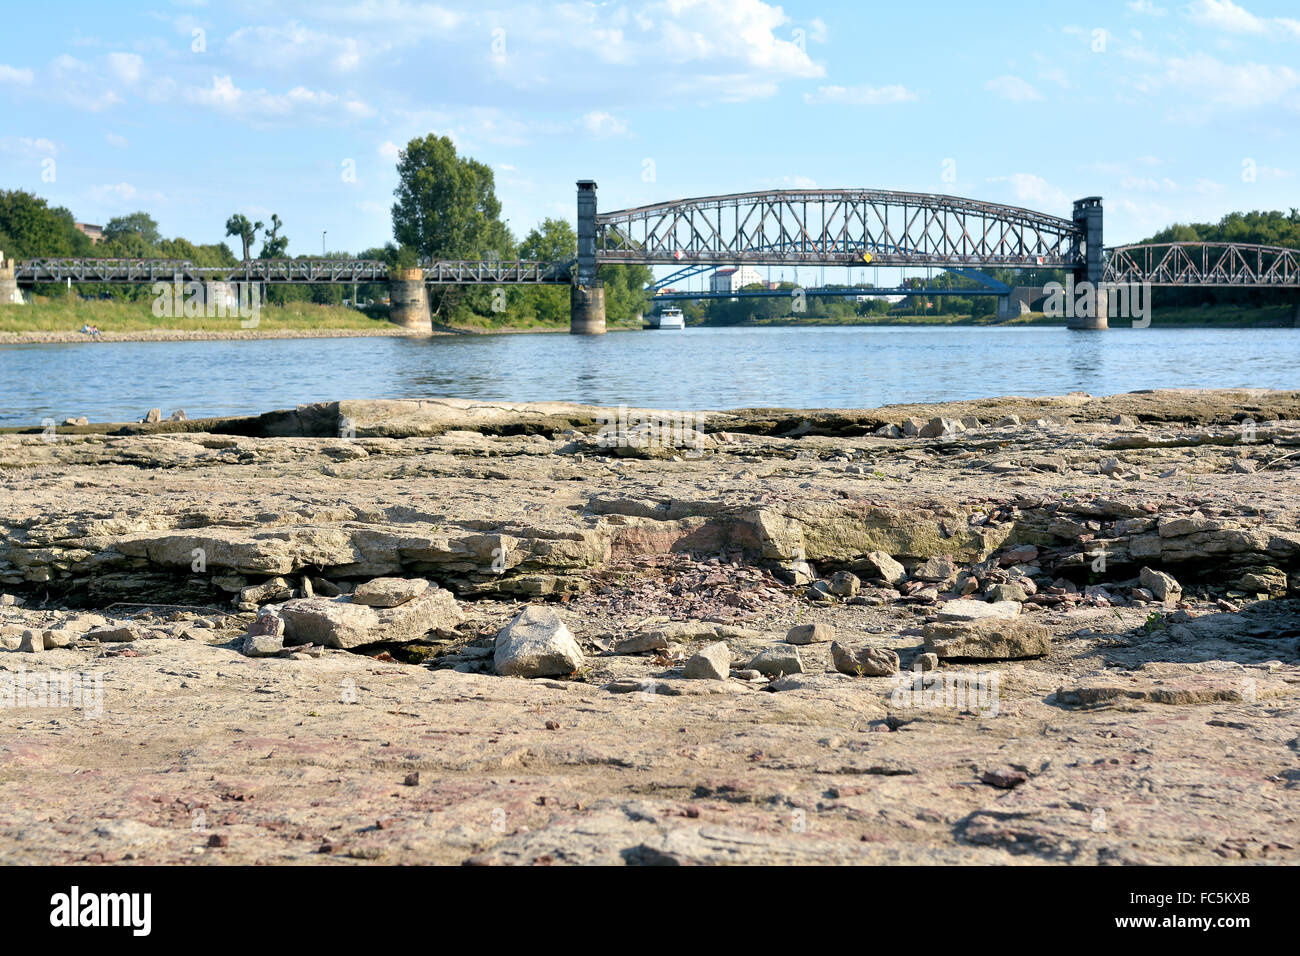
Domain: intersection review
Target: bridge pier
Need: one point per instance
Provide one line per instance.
(587, 310)
(9, 294)
(1017, 302)
(1087, 217)
(587, 296)
(409, 298)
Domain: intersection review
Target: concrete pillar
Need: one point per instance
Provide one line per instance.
(1088, 219)
(587, 298)
(9, 294)
(587, 310)
(410, 300)
(1097, 321)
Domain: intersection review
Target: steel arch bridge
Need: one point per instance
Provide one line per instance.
(837, 227)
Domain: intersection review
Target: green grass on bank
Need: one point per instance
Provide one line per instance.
(69, 315)
(60, 314)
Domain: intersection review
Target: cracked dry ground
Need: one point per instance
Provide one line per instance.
(1152, 732)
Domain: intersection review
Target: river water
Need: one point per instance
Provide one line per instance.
(809, 367)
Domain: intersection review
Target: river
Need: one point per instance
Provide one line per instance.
(808, 367)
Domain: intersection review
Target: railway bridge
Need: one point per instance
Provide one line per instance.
(799, 228)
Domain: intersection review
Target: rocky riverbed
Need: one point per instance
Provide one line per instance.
(1007, 631)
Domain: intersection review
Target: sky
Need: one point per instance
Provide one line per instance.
(195, 109)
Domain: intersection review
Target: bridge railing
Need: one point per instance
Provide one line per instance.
(1208, 264)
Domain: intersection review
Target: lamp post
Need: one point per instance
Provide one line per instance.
(323, 233)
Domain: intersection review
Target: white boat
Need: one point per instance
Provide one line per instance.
(666, 318)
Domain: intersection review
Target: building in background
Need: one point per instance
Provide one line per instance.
(733, 279)
(96, 233)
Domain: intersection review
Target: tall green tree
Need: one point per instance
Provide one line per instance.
(245, 231)
(447, 208)
(446, 204)
(30, 227)
(139, 224)
(274, 245)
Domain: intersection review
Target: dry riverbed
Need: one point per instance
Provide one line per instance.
(1007, 631)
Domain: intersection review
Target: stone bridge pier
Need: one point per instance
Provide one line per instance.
(409, 300)
(9, 294)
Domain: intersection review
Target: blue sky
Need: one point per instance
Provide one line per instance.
(192, 110)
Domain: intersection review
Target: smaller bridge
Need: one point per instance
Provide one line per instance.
(287, 271)
(1204, 264)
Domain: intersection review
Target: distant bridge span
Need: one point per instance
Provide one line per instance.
(804, 227)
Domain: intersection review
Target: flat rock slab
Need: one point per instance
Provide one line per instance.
(389, 592)
(987, 640)
(979, 610)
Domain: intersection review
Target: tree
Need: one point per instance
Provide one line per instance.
(31, 228)
(553, 241)
(274, 245)
(447, 209)
(446, 205)
(239, 226)
(136, 224)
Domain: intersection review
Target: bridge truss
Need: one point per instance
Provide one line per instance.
(287, 271)
(837, 227)
(1205, 264)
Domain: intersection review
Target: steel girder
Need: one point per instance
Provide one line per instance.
(287, 271)
(278, 271)
(835, 227)
(497, 272)
(1204, 264)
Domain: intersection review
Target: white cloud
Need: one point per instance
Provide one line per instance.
(1013, 88)
(603, 125)
(860, 95)
(28, 147)
(1146, 8)
(1034, 190)
(1228, 17)
(16, 74)
(389, 150)
(291, 45)
(126, 67)
(1244, 86)
(119, 142)
(299, 103)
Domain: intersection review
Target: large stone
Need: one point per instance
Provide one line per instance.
(711, 663)
(987, 640)
(537, 643)
(816, 633)
(1007, 592)
(877, 564)
(1162, 585)
(942, 428)
(979, 610)
(936, 569)
(864, 660)
(389, 592)
(778, 660)
(116, 633)
(338, 622)
(1270, 581)
(844, 584)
